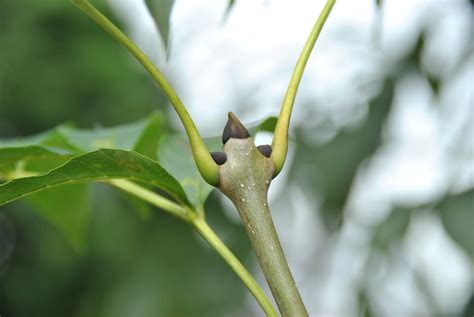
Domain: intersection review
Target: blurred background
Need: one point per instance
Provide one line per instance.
(375, 207)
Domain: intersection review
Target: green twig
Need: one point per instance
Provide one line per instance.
(206, 165)
(246, 177)
(280, 138)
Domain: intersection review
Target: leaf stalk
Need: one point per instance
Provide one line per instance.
(207, 167)
(280, 137)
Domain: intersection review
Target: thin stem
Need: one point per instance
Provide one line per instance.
(280, 138)
(151, 197)
(206, 165)
(208, 234)
(199, 224)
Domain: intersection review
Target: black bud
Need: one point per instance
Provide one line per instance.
(234, 129)
(266, 150)
(219, 157)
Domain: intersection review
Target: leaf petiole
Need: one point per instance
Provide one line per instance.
(280, 137)
(204, 162)
(151, 197)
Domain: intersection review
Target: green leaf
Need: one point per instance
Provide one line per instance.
(141, 136)
(52, 203)
(21, 161)
(160, 11)
(457, 215)
(392, 229)
(147, 142)
(95, 166)
(266, 125)
(68, 208)
(52, 140)
(40, 153)
(176, 157)
(20, 157)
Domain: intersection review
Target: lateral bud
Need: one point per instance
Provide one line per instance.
(266, 150)
(219, 157)
(234, 129)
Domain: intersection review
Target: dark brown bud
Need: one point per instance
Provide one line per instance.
(266, 150)
(234, 129)
(219, 157)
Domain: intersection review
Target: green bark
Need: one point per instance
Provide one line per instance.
(245, 179)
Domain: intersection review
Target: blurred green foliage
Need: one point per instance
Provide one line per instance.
(57, 66)
(132, 266)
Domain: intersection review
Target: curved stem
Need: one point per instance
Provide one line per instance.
(208, 234)
(201, 226)
(151, 197)
(280, 138)
(206, 165)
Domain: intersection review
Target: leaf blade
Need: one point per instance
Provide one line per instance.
(125, 137)
(74, 223)
(95, 166)
(16, 161)
(160, 10)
